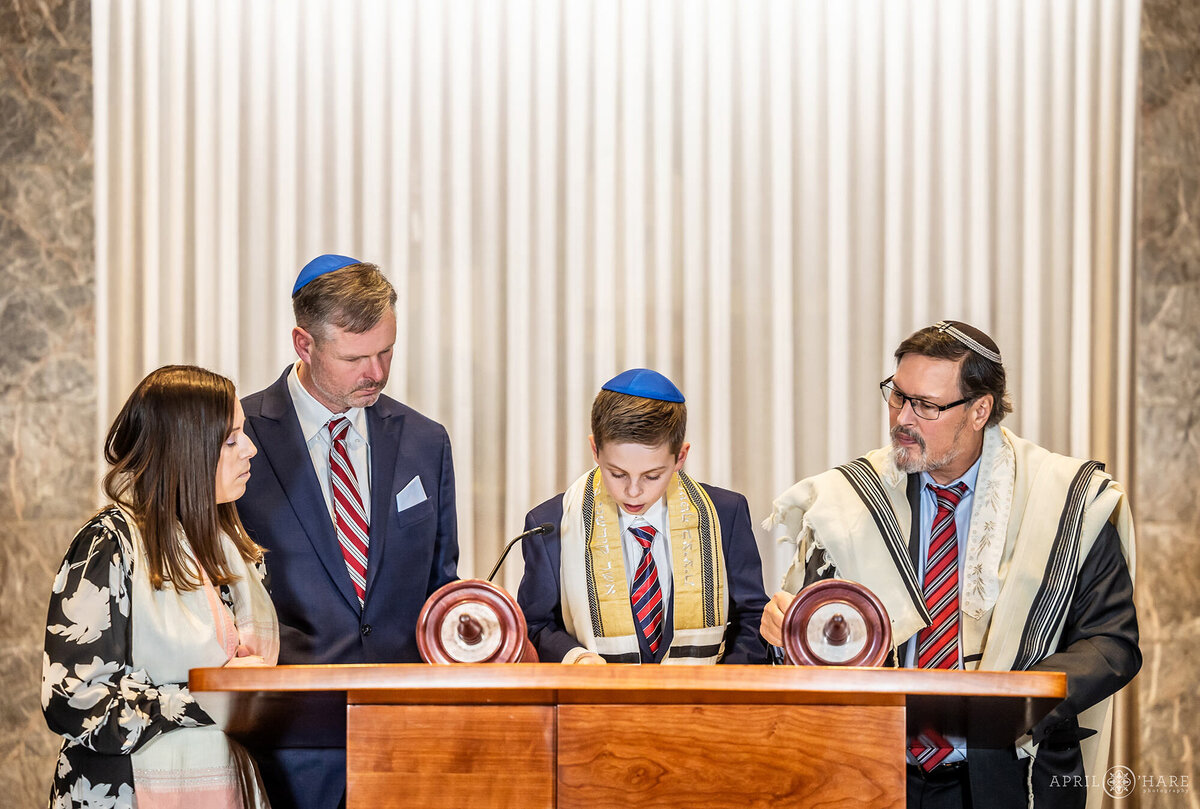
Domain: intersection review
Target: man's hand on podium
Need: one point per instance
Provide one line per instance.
(772, 618)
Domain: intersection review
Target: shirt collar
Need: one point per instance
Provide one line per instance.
(314, 416)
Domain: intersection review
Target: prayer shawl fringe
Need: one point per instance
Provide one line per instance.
(592, 555)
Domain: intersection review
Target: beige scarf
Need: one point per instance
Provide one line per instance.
(178, 630)
(594, 588)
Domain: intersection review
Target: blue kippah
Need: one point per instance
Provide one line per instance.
(644, 383)
(319, 266)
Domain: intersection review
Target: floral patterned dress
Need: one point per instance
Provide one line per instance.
(104, 705)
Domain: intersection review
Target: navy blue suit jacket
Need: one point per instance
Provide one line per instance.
(539, 594)
(412, 553)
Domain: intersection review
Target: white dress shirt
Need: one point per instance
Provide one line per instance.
(314, 420)
(660, 548)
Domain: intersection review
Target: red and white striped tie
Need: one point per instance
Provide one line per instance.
(937, 644)
(353, 528)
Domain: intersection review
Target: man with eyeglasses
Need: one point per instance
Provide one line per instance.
(989, 552)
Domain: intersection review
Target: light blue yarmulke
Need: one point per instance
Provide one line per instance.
(319, 266)
(644, 383)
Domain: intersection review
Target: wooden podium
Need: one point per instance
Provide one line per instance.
(538, 735)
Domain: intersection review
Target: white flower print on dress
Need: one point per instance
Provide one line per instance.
(92, 796)
(173, 701)
(93, 682)
(52, 677)
(134, 721)
(118, 585)
(102, 705)
(87, 610)
(60, 581)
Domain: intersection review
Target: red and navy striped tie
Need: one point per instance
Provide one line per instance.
(645, 594)
(937, 644)
(353, 528)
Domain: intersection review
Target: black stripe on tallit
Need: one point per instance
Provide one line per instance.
(627, 657)
(866, 483)
(589, 504)
(695, 651)
(707, 551)
(1054, 596)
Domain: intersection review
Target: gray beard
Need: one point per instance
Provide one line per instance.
(911, 461)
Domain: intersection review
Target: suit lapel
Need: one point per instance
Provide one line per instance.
(914, 532)
(384, 423)
(282, 442)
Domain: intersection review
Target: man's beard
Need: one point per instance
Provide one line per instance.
(912, 460)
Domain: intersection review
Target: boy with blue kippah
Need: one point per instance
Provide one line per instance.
(644, 565)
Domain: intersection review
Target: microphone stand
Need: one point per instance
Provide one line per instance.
(544, 528)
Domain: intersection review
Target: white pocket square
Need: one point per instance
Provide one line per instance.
(412, 495)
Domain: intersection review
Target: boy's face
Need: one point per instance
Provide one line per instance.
(637, 475)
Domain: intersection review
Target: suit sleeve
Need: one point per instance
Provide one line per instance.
(539, 595)
(743, 643)
(445, 552)
(1099, 648)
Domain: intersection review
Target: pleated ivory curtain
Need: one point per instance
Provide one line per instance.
(760, 199)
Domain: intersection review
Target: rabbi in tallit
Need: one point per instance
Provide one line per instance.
(989, 553)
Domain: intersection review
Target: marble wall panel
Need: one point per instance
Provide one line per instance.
(1167, 438)
(48, 442)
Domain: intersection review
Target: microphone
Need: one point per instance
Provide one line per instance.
(544, 528)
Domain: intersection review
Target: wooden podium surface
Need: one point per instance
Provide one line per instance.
(539, 735)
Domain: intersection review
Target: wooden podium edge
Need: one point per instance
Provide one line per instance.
(666, 684)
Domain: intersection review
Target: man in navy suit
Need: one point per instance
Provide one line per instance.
(644, 565)
(352, 495)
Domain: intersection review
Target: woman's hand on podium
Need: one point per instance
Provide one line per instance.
(243, 660)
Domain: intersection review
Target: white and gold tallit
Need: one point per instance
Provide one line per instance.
(1020, 495)
(594, 589)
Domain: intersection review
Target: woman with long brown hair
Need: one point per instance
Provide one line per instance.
(163, 580)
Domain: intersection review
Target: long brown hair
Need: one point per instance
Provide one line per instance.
(164, 447)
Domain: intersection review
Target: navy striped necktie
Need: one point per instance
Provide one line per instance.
(646, 595)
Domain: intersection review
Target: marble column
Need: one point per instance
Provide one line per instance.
(48, 442)
(1166, 495)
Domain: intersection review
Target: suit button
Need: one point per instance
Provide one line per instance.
(366, 629)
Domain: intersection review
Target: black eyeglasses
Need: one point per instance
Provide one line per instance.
(925, 410)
